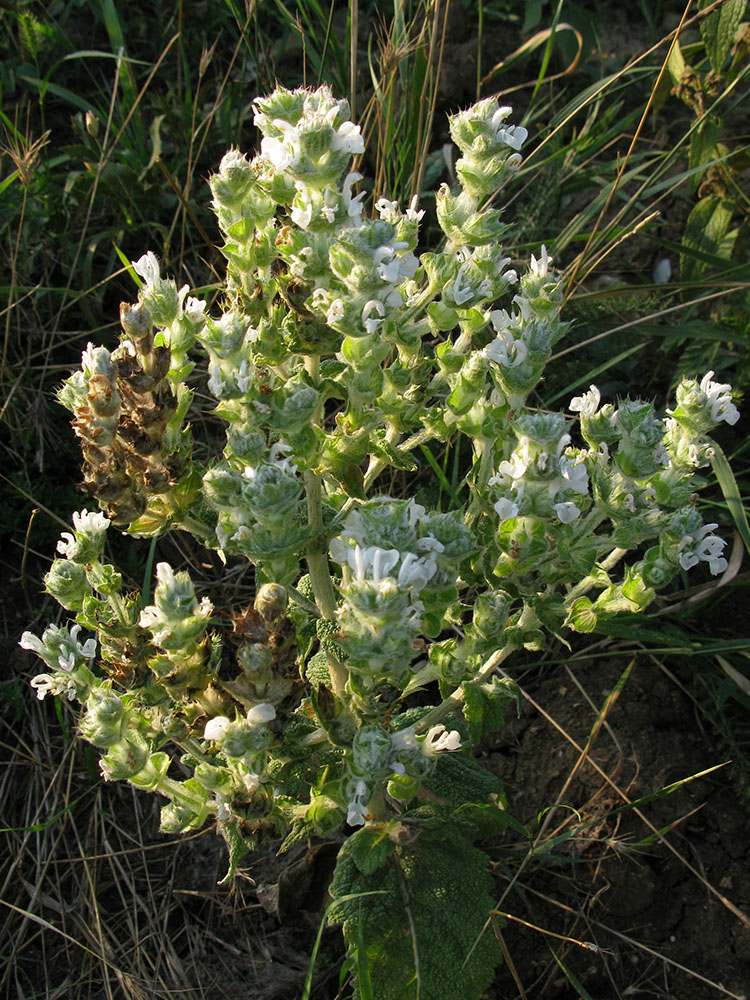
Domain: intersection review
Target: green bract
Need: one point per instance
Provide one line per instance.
(337, 352)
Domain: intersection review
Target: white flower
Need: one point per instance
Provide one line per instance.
(574, 476)
(348, 139)
(540, 268)
(513, 469)
(662, 271)
(302, 210)
(223, 811)
(504, 349)
(42, 684)
(216, 728)
(250, 781)
(720, 399)
(388, 210)
(512, 135)
(370, 307)
(461, 291)
(278, 452)
(32, 642)
(90, 522)
(284, 152)
(404, 739)
(505, 509)
(335, 312)
(330, 204)
(352, 204)
(372, 562)
(194, 310)
(411, 213)
(703, 547)
(566, 512)
(67, 544)
(261, 713)
(438, 740)
(216, 383)
(244, 377)
(429, 544)
(408, 265)
(357, 811)
(387, 264)
(415, 572)
(339, 550)
(147, 267)
(588, 404)
(300, 261)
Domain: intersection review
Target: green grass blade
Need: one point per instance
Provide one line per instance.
(731, 491)
(582, 993)
(364, 980)
(306, 992)
(128, 266)
(441, 476)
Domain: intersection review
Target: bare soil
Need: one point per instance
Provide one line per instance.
(658, 896)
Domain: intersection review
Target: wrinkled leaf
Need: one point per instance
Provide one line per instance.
(719, 29)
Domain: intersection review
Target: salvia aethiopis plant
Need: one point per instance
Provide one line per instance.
(346, 700)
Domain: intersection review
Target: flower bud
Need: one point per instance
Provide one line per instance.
(105, 717)
(67, 583)
(271, 602)
(372, 752)
(233, 181)
(135, 321)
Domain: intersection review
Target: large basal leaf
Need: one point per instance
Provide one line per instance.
(423, 936)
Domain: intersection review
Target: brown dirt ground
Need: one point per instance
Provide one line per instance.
(661, 897)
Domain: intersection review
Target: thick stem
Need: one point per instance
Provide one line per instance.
(316, 554)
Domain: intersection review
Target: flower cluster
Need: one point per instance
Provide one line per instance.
(399, 567)
(400, 759)
(68, 660)
(337, 353)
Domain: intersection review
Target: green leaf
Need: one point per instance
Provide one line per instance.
(424, 937)
(397, 458)
(238, 848)
(486, 705)
(703, 148)
(370, 849)
(676, 63)
(719, 29)
(458, 779)
(706, 227)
